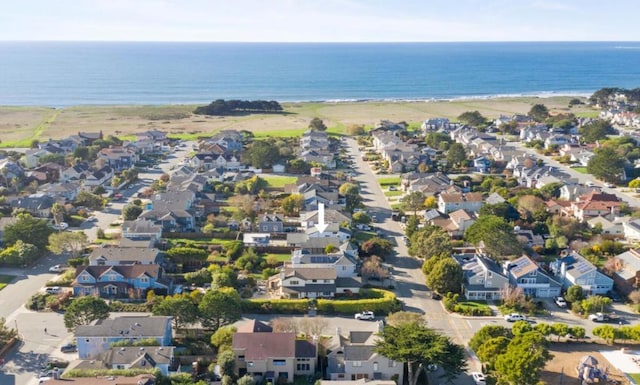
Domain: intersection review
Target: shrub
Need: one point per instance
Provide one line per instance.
(38, 301)
(117, 306)
(283, 306)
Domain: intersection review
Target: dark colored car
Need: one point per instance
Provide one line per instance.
(68, 348)
(436, 296)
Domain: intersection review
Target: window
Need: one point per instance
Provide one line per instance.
(303, 367)
(314, 280)
(357, 364)
(144, 279)
(241, 358)
(294, 282)
(375, 366)
(279, 362)
(392, 364)
(327, 281)
(112, 277)
(84, 278)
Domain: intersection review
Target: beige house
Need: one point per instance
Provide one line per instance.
(273, 357)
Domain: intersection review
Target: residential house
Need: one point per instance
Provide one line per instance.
(141, 229)
(112, 256)
(324, 158)
(483, 278)
(344, 264)
(31, 158)
(631, 230)
(557, 141)
(315, 196)
(64, 191)
(88, 138)
(356, 358)
(304, 282)
(525, 274)
(528, 238)
(437, 124)
(626, 271)
(173, 210)
(429, 184)
(448, 202)
(574, 269)
(38, 205)
(95, 339)
(456, 224)
(582, 157)
(333, 230)
(312, 245)
(572, 190)
(51, 171)
(133, 358)
(314, 139)
(309, 219)
(596, 204)
(494, 199)
(118, 158)
(155, 136)
(210, 161)
(75, 173)
(273, 357)
(481, 164)
(10, 170)
(121, 281)
(270, 223)
(101, 177)
(614, 228)
(256, 239)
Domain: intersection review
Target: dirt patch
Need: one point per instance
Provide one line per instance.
(562, 368)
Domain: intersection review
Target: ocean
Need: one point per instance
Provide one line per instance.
(73, 73)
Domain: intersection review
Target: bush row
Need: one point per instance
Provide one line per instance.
(379, 301)
(117, 306)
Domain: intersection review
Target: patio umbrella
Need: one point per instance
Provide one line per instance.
(588, 360)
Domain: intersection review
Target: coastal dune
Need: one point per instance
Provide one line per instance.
(20, 125)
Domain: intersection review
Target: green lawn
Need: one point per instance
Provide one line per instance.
(392, 193)
(389, 181)
(582, 170)
(635, 377)
(5, 280)
(365, 235)
(278, 181)
(282, 258)
(279, 133)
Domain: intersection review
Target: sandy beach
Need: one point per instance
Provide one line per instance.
(20, 125)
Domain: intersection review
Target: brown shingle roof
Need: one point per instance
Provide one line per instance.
(260, 346)
(311, 272)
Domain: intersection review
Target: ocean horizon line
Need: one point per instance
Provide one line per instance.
(541, 95)
(330, 42)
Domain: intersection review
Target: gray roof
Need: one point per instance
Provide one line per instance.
(309, 273)
(359, 337)
(138, 356)
(150, 326)
(348, 282)
(125, 254)
(358, 352)
(305, 349)
(315, 288)
(630, 264)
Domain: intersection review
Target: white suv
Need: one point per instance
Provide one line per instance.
(560, 301)
(479, 378)
(365, 315)
(513, 317)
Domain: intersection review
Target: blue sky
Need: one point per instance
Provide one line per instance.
(320, 20)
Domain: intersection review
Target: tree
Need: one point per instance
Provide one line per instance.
(377, 246)
(355, 129)
(413, 224)
(489, 351)
(227, 362)
(472, 118)
(351, 193)
(85, 310)
(261, 154)
(19, 254)
(560, 329)
(446, 276)
(187, 254)
(606, 332)
(292, 204)
(574, 294)
(456, 154)
(220, 307)
(430, 241)
(606, 165)
(539, 113)
(247, 379)
(531, 208)
(372, 267)
(435, 139)
(131, 212)
(595, 303)
(317, 124)
(595, 131)
(496, 235)
(523, 360)
(245, 205)
(222, 339)
(92, 201)
(30, 230)
(182, 309)
(486, 333)
(361, 217)
(413, 201)
(57, 211)
(503, 210)
(72, 241)
(312, 326)
(419, 346)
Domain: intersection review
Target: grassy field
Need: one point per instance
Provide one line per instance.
(20, 125)
(5, 280)
(582, 170)
(282, 258)
(392, 193)
(278, 181)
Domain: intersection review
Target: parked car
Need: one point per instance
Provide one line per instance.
(365, 316)
(393, 188)
(609, 185)
(436, 296)
(560, 301)
(57, 268)
(61, 226)
(590, 184)
(68, 348)
(513, 317)
(479, 378)
(53, 290)
(92, 219)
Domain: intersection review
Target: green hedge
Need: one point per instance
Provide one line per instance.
(117, 306)
(376, 300)
(73, 373)
(386, 303)
(277, 306)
